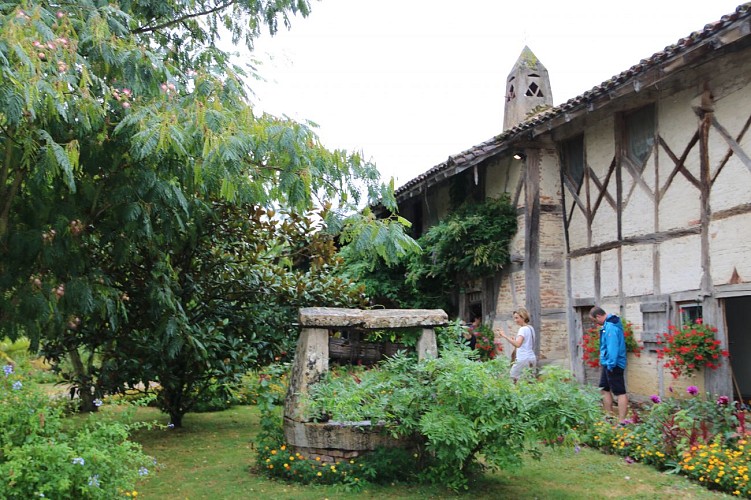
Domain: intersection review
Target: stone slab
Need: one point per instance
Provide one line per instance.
(332, 317)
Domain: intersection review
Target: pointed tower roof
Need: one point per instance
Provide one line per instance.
(527, 89)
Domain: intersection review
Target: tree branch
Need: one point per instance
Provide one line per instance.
(149, 29)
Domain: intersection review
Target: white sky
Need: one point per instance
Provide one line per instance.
(410, 82)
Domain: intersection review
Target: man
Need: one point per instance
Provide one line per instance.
(612, 360)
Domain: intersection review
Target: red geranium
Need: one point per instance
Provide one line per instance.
(484, 343)
(690, 348)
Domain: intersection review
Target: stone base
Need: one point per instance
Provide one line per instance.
(332, 441)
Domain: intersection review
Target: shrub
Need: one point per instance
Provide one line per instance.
(459, 409)
(39, 457)
(690, 348)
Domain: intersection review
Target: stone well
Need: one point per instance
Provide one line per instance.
(333, 441)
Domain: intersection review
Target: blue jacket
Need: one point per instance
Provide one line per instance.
(612, 343)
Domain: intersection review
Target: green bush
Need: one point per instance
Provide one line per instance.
(41, 457)
(457, 408)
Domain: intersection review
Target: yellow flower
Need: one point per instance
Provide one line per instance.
(135, 493)
(318, 459)
(273, 452)
(319, 474)
(271, 466)
(291, 458)
(282, 447)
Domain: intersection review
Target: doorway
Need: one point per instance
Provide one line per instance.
(738, 321)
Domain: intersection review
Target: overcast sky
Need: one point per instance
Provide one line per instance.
(410, 82)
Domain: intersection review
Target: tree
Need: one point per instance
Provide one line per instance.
(126, 139)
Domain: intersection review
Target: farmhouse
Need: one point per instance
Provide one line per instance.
(635, 196)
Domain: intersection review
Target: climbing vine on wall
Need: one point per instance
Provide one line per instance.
(472, 242)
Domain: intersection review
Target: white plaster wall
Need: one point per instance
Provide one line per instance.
(730, 248)
(638, 270)
(677, 124)
(680, 264)
(550, 178)
(638, 213)
(604, 227)
(632, 313)
(680, 207)
(599, 145)
(733, 185)
(609, 280)
(582, 277)
(502, 177)
(577, 229)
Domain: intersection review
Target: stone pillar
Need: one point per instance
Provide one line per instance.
(311, 362)
(426, 345)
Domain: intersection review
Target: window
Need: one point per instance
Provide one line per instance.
(639, 129)
(510, 94)
(689, 313)
(572, 158)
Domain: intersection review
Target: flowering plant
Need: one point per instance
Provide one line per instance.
(591, 343)
(690, 348)
(484, 343)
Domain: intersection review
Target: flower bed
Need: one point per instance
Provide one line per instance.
(704, 438)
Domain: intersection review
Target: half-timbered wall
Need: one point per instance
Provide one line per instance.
(671, 228)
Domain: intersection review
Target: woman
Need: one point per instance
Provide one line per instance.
(524, 343)
(470, 335)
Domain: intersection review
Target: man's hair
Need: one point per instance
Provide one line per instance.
(596, 311)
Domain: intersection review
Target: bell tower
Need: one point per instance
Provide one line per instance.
(527, 89)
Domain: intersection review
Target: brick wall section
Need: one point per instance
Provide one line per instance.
(554, 342)
(553, 289)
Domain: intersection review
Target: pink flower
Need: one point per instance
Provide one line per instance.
(692, 389)
(723, 400)
(655, 398)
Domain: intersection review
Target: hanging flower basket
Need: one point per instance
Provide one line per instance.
(690, 348)
(591, 344)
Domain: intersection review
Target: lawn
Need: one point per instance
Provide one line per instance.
(212, 457)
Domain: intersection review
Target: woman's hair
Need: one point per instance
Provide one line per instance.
(522, 312)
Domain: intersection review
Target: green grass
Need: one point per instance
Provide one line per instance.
(212, 457)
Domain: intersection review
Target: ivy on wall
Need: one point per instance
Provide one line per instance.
(472, 242)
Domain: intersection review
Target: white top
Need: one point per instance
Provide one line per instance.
(526, 351)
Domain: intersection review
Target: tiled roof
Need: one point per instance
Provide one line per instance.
(616, 86)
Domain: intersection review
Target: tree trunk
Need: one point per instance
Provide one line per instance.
(83, 382)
